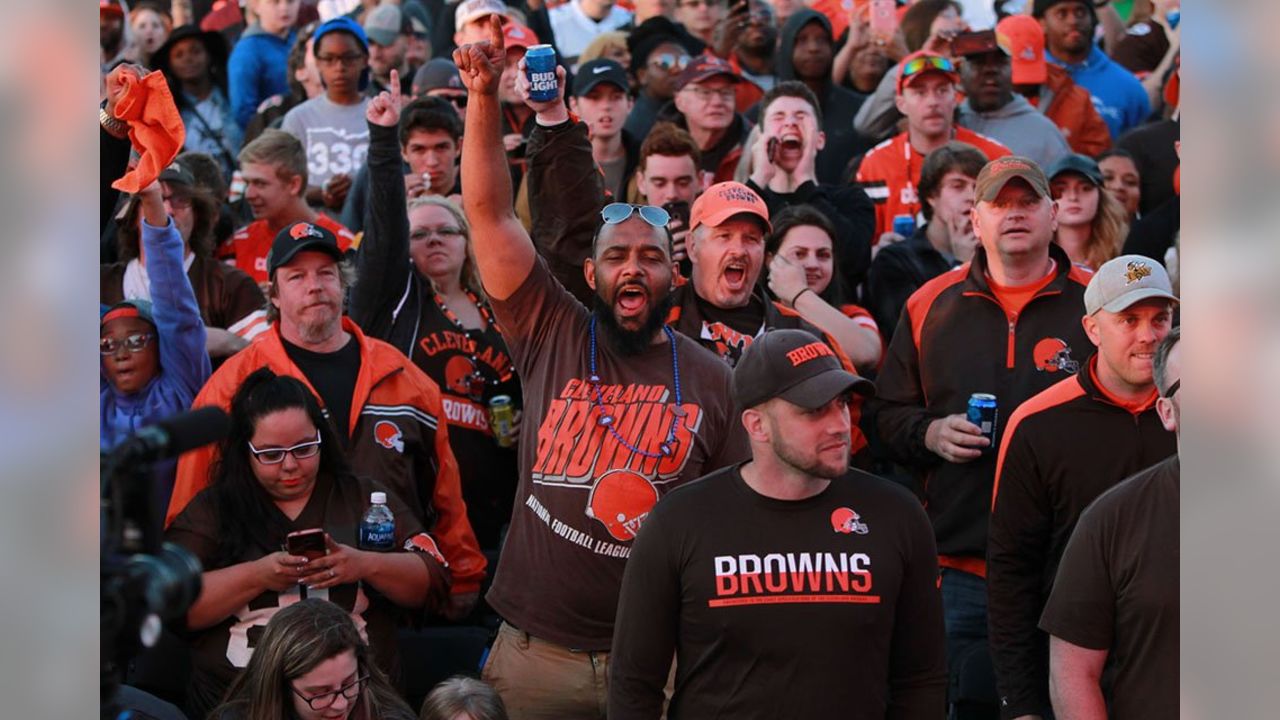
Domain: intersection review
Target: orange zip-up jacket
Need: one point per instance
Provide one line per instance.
(396, 437)
(1071, 109)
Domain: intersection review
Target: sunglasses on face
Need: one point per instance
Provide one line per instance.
(275, 456)
(131, 343)
(668, 62)
(614, 213)
(927, 62)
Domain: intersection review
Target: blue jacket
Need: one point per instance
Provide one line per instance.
(257, 69)
(1117, 94)
(184, 362)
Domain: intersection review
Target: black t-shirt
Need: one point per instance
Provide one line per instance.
(732, 328)
(818, 608)
(333, 375)
(473, 366)
(1117, 590)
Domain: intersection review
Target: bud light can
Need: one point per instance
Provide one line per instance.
(983, 413)
(502, 415)
(540, 62)
(904, 225)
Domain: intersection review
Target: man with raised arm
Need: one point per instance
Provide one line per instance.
(618, 409)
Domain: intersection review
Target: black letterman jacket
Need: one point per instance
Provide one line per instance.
(955, 339)
(1061, 450)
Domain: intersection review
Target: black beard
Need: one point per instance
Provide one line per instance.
(631, 342)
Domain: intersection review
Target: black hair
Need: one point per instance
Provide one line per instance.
(794, 216)
(1115, 152)
(247, 517)
(790, 88)
(429, 113)
(203, 206)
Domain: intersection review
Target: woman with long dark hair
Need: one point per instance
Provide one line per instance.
(312, 663)
(1092, 225)
(195, 64)
(281, 471)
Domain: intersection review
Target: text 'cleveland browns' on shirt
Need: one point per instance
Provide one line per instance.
(583, 495)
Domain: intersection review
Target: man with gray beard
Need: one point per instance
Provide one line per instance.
(386, 412)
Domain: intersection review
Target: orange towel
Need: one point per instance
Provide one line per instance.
(155, 129)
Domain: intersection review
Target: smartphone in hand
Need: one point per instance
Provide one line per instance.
(884, 20)
(309, 544)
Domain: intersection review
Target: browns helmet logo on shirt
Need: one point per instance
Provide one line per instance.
(1053, 355)
(388, 435)
(846, 522)
(457, 375)
(620, 501)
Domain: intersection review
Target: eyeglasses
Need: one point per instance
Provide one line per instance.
(131, 343)
(705, 94)
(927, 62)
(348, 59)
(668, 62)
(445, 233)
(275, 456)
(324, 700)
(1173, 389)
(614, 213)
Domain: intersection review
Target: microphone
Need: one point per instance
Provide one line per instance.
(175, 435)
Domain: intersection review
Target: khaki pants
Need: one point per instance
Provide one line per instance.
(542, 680)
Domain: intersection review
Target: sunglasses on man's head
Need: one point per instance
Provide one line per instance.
(614, 213)
(927, 62)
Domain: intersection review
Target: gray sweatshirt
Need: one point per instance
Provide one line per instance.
(1020, 127)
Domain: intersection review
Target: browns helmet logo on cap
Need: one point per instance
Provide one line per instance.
(303, 230)
(621, 500)
(1053, 355)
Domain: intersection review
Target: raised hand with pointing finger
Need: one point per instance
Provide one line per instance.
(384, 110)
(480, 64)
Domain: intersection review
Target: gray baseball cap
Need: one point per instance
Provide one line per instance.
(1125, 280)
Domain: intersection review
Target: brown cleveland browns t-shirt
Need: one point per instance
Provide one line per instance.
(582, 494)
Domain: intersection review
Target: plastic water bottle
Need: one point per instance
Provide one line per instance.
(378, 528)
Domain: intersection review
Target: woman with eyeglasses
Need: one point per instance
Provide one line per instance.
(282, 470)
(417, 289)
(153, 351)
(312, 663)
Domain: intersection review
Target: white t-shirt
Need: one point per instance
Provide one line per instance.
(574, 31)
(335, 136)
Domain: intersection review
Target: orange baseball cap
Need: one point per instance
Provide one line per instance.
(1022, 37)
(515, 35)
(921, 62)
(724, 200)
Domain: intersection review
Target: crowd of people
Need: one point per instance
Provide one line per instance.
(790, 359)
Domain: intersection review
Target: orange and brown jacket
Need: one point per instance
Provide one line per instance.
(396, 438)
(954, 338)
(1070, 107)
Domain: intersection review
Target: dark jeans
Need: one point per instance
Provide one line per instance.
(964, 607)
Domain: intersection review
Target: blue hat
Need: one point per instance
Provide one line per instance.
(341, 24)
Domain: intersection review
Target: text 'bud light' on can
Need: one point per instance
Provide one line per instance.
(540, 63)
(378, 528)
(502, 415)
(983, 413)
(904, 225)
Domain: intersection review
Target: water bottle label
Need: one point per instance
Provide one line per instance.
(378, 536)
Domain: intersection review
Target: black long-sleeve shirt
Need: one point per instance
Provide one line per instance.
(849, 209)
(818, 608)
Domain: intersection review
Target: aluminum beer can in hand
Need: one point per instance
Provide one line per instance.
(540, 63)
(502, 415)
(984, 413)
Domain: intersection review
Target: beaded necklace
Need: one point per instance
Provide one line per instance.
(668, 446)
(476, 381)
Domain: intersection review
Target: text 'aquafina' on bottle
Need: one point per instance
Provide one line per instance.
(378, 528)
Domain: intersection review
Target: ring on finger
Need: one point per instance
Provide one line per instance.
(332, 574)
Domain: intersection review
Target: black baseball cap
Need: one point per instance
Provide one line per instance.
(178, 173)
(298, 237)
(600, 70)
(1076, 163)
(795, 366)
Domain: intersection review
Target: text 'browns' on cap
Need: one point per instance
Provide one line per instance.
(724, 200)
(795, 366)
(298, 237)
(995, 174)
(1125, 280)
